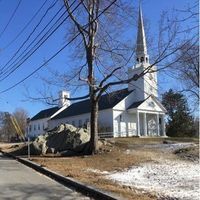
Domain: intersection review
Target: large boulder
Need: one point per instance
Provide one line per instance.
(39, 144)
(62, 138)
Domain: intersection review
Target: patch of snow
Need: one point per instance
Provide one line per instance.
(176, 179)
(97, 171)
(163, 148)
(176, 146)
(128, 151)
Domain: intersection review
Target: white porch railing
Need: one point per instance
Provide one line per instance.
(152, 132)
(105, 135)
(131, 132)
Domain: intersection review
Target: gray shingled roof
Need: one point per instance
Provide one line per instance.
(107, 101)
(135, 104)
(45, 113)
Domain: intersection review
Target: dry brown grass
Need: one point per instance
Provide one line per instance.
(114, 157)
(117, 159)
(12, 147)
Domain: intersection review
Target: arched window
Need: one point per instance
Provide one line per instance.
(142, 59)
(138, 59)
(147, 60)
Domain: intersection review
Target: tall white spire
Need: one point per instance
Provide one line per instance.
(141, 47)
(146, 85)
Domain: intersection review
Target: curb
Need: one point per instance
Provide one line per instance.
(66, 181)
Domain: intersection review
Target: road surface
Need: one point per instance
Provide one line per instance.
(18, 182)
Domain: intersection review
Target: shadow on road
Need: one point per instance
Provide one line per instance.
(33, 192)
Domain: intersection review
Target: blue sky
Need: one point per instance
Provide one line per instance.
(15, 98)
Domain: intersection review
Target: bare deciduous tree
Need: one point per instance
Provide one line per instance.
(102, 52)
(13, 125)
(186, 69)
(21, 116)
(6, 129)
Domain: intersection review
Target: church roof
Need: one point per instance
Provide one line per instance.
(45, 113)
(153, 99)
(136, 104)
(106, 101)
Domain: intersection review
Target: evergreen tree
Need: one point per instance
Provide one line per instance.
(180, 121)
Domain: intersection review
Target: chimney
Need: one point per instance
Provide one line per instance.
(62, 98)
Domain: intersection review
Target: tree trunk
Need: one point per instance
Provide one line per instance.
(94, 127)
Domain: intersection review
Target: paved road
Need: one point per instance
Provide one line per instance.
(18, 182)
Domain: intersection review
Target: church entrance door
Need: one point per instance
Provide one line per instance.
(123, 129)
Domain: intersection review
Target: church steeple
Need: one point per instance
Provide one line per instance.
(141, 47)
(146, 85)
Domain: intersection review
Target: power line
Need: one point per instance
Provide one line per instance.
(40, 65)
(44, 41)
(29, 36)
(53, 56)
(26, 56)
(18, 64)
(10, 19)
(24, 28)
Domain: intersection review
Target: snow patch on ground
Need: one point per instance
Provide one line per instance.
(97, 171)
(161, 147)
(177, 179)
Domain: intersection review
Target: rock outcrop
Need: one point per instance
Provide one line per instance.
(62, 140)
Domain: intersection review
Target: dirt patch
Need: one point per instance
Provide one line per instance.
(11, 147)
(189, 153)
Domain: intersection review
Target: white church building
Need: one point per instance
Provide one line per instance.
(39, 123)
(133, 111)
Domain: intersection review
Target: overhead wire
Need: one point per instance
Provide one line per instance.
(39, 43)
(10, 19)
(54, 55)
(26, 25)
(29, 36)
